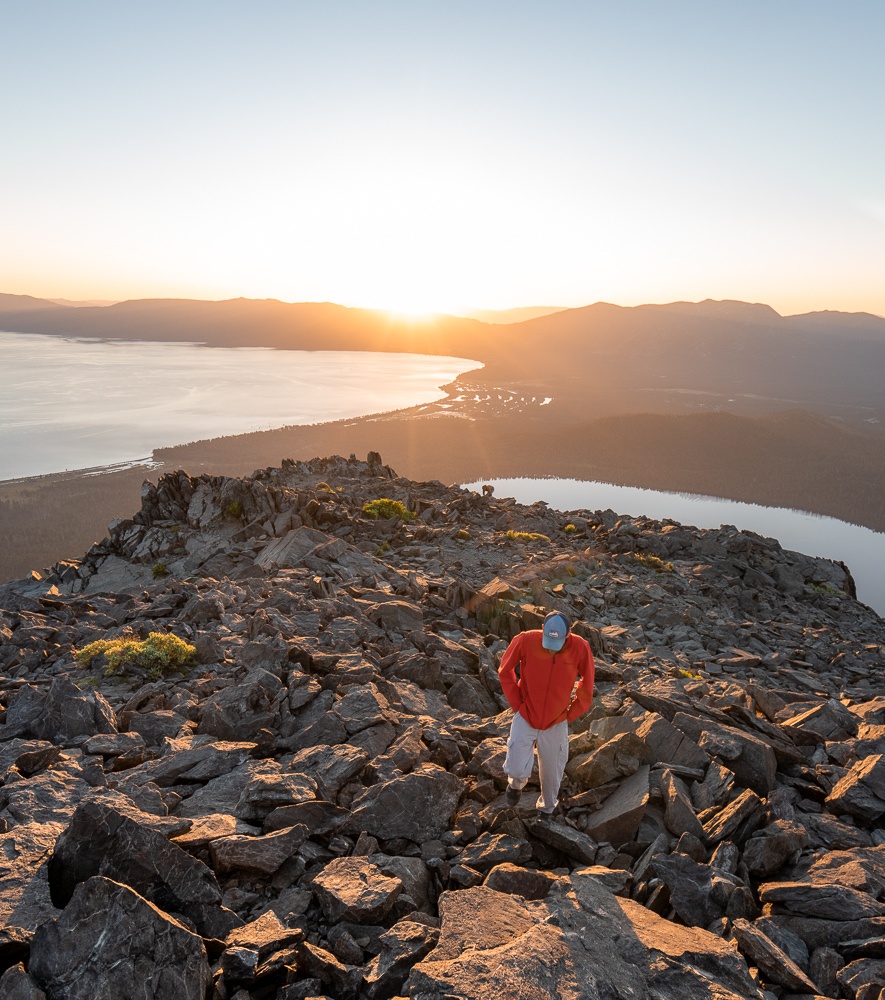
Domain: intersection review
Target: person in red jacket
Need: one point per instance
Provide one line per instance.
(545, 699)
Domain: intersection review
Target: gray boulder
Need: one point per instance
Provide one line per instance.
(418, 806)
(111, 944)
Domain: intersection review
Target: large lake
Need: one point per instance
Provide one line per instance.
(861, 549)
(70, 403)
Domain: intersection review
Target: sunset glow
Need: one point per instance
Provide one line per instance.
(442, 159)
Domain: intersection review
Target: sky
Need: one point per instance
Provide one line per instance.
(445, 156)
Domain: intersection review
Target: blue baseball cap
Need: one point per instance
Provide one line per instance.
(555, 631)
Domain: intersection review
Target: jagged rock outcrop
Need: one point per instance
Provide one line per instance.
(314, 806)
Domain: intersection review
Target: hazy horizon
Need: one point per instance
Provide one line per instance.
(507, 314)
(446, 159)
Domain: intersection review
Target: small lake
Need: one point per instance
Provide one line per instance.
(862, 550)
(68, 403)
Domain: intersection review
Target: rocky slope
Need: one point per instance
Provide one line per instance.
(315, 808)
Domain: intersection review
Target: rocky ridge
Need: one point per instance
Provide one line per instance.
(315, 807)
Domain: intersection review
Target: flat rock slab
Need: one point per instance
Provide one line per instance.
(111, 943)
(262, 855)
(827, 900)
(518, 881)
(355, 889)
(579, 942)
(194, 764)
(621, 813)
(564, 838)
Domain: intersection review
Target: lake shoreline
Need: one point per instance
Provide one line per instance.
(459, 438)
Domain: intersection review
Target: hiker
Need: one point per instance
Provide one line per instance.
(544, 700)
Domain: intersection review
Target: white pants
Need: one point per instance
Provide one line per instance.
(552, 757)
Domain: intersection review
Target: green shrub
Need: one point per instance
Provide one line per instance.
(388, 509)
(234, 509)
(159, 569)
(570, 529)
(160, 654)
(382, 548)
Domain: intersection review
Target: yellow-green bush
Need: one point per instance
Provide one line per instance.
(161, 653)
(570, 529)
(653, 562)
(386, 508)
(526, 536)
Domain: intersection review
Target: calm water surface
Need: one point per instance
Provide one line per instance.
(861, 549)
(76, 403)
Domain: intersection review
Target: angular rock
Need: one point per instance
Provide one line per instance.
(826, 900)
(184, 762)
(618, 758)
(109, 836)
(406, 943)
(243, 711)
(831, 721)
(331, 767)
(517, 881)
(670, 745)
(468, 694)
(753, 761)
(16, 984)
(361, 707)
(418, 806)
(319, 817)
(491, 849)
(862, 791)
(263, 855)
(621, 813)
(746, 808)
(699, 893)
(563, 838)
(769, 849)
(25, 851)
(679, 816)
(269, 791)
(773, 963)
(355, 889)
(580, 941)
(110, 943)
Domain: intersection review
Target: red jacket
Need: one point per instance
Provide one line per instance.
(543, 693)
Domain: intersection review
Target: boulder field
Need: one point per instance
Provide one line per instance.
(308, 801)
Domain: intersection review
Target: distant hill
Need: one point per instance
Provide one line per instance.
(23, 304)
(84, 302)
(513, 315)
(678, 357)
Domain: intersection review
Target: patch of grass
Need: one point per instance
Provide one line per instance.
(526, 536)
(159, 569)
(382, 548)
(388, 509)
(570, 529)
(824, 588)
(234, 509)
(653, 562)
(159, 654)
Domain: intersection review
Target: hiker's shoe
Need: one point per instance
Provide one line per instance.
(511, 796)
